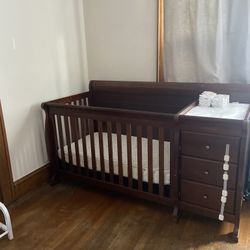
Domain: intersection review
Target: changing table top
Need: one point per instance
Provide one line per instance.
(236, 111)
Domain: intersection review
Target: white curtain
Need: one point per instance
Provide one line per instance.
(207, 41)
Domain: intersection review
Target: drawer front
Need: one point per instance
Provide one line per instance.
(206, 171)
(209, 146)
(206, 196)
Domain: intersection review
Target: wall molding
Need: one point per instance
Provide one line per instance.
(31, 181)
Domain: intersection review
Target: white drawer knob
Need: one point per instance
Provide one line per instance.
(206, 172)
(205, 196)
(207, 147)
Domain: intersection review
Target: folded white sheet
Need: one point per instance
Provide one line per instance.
(205, 98)
(220, 101)
(124, 156)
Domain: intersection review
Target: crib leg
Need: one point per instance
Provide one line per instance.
(54, 179)
(7, 227)
(235, 234)
(176, 211)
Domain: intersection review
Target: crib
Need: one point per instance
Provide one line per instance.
(119, 136)
(136, 138)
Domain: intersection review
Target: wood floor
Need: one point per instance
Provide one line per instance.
(71, 217)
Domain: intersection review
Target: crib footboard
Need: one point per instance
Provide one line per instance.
(128, 151)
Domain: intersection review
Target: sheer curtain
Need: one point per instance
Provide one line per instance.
(207, 41)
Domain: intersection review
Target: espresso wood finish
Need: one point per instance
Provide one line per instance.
(153, 112)
(31, 181)
(206, 196)
(203, 144)
(209, 146)
(207, 171)
(6, 180)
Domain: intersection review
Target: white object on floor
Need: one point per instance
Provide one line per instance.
(205, 98)
(7, 227)
(155, 157)
(220, 101)
(236, 111)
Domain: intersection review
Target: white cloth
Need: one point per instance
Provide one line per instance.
(220, 101)
(207, 41)
(205, 98)
(155, 156)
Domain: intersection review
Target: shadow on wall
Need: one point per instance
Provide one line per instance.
(70, 63)
(29, 151)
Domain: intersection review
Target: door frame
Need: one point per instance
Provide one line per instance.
(6, 179)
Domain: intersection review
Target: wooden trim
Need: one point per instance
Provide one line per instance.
(160, 42)
(6, 180)
(31, 181)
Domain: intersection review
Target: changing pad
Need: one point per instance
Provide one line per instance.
(236, 111)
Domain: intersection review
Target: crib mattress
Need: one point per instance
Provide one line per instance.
(155, 156)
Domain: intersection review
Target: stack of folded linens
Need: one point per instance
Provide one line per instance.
(209, 98)
(220, 101)
(205, 98)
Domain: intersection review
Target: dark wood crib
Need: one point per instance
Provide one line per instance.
(131, 137)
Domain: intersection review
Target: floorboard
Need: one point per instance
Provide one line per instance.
(73, 217)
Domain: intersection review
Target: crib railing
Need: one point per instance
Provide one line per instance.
(81, 99)
(67, 124)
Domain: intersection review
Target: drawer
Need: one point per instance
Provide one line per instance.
(207, 171)
(209, 146)
(206, 196)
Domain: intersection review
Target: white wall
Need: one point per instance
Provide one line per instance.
(48, 60)
(121, 39)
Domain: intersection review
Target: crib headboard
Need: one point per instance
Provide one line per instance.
(147, 96)
(159, 97)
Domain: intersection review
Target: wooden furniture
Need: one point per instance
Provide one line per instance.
(202, 149)
(6, 180)
(117, 135)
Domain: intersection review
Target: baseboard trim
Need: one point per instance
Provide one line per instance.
(31, 181)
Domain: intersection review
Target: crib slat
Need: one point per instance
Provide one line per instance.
(129, 155)
(139, 156)
(92, 146)
(119, 151)
(60, 132)
(110, 149)
(100, 129)
(161, 161)
(150, 159)
(75, 136)
(56, 131)
(54, 145)
(84, 146)
(85, 102)
(67, 132)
